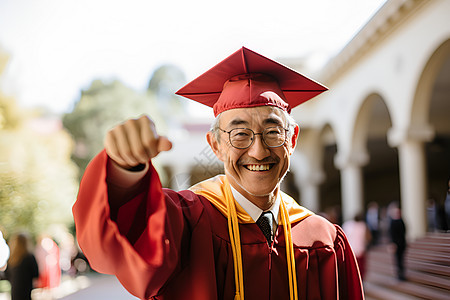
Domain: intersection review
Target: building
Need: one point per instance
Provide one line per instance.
(382, 131)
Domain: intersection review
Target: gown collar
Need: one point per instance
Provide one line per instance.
(254, 211)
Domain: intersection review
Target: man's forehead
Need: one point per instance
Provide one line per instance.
(265, 114)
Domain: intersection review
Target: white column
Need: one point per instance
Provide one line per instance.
(181, 177)
(413, 180)
(309, 190)
(352, 182)
(413, 187)
(310, 196)
(352, 196)
(308, 177)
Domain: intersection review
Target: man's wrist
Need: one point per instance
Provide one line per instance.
(125, 178)
(137, 168)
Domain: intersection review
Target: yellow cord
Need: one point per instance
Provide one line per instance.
(233, 229)
(290, 257)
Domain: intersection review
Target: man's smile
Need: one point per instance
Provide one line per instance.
(259, 167)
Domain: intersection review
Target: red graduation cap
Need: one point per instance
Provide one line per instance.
(248, 79)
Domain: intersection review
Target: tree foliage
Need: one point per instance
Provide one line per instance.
(37, 178)
(165, 81)
(101, 107)
(10, 115)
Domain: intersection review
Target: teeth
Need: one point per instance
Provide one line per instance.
(258, 167)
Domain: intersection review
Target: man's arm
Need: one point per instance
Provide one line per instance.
(114, 230)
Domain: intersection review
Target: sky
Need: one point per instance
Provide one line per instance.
(58, 47)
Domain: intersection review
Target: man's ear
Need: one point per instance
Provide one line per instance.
(214, 144)
(293, 139)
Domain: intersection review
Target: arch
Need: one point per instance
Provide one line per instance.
(378, 160)
(330, 187)
(438, 63)
(372, 108)
(431, 111)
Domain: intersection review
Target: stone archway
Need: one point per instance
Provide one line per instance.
(330, 188)
(369, 168)
(431, 110)
(380, 170)
(427, 128)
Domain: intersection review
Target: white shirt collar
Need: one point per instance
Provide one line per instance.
(253, 210)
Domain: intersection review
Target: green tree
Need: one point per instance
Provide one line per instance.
(37, 178)
(101, 107)
(164, 82)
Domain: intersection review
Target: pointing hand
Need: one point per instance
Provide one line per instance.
(135, 142)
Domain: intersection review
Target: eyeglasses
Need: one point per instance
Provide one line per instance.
(242, 138)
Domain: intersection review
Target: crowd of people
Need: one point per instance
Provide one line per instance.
(385, 226)
(378, 226)
(438, 213)
(38, 264)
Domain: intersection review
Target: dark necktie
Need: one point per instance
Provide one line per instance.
(265, 223)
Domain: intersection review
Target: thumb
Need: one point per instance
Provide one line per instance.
(164, 144)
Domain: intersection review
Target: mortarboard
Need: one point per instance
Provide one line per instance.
(248, 79)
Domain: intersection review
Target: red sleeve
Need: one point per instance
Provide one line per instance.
(350, 284)
(137, 244)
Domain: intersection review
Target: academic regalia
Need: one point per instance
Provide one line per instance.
(199, 243)
(176, 246)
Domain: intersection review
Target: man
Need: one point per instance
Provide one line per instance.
(447, 206)
(397, 231)
(235, 236)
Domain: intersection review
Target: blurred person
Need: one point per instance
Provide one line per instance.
(384, 223)
(333, 214)
(47, 257)
(373, 222)
(4, 253)
(447, 205)
(22, 267)
(234, 236)
(431, 215)
(397, 230)
(358, 235)
(67, 251)
(441, 222)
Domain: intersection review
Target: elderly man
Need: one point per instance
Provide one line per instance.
(234, 236)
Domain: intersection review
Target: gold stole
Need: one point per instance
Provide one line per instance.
(217, 190)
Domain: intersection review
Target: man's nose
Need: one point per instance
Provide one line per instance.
(258, 149)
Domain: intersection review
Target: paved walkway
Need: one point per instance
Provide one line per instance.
(91, 287)
(101, 287)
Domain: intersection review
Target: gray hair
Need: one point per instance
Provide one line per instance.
(290, 122)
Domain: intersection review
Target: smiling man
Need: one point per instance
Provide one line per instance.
(254, 166)
(234, 236)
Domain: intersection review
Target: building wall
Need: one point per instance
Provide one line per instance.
(372, 137)
(379, 96)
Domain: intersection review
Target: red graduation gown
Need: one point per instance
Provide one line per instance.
(175, 245)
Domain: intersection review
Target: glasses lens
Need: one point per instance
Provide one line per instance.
(241, 137)
(274, 136)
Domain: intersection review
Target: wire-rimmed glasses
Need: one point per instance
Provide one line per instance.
(242, 138)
